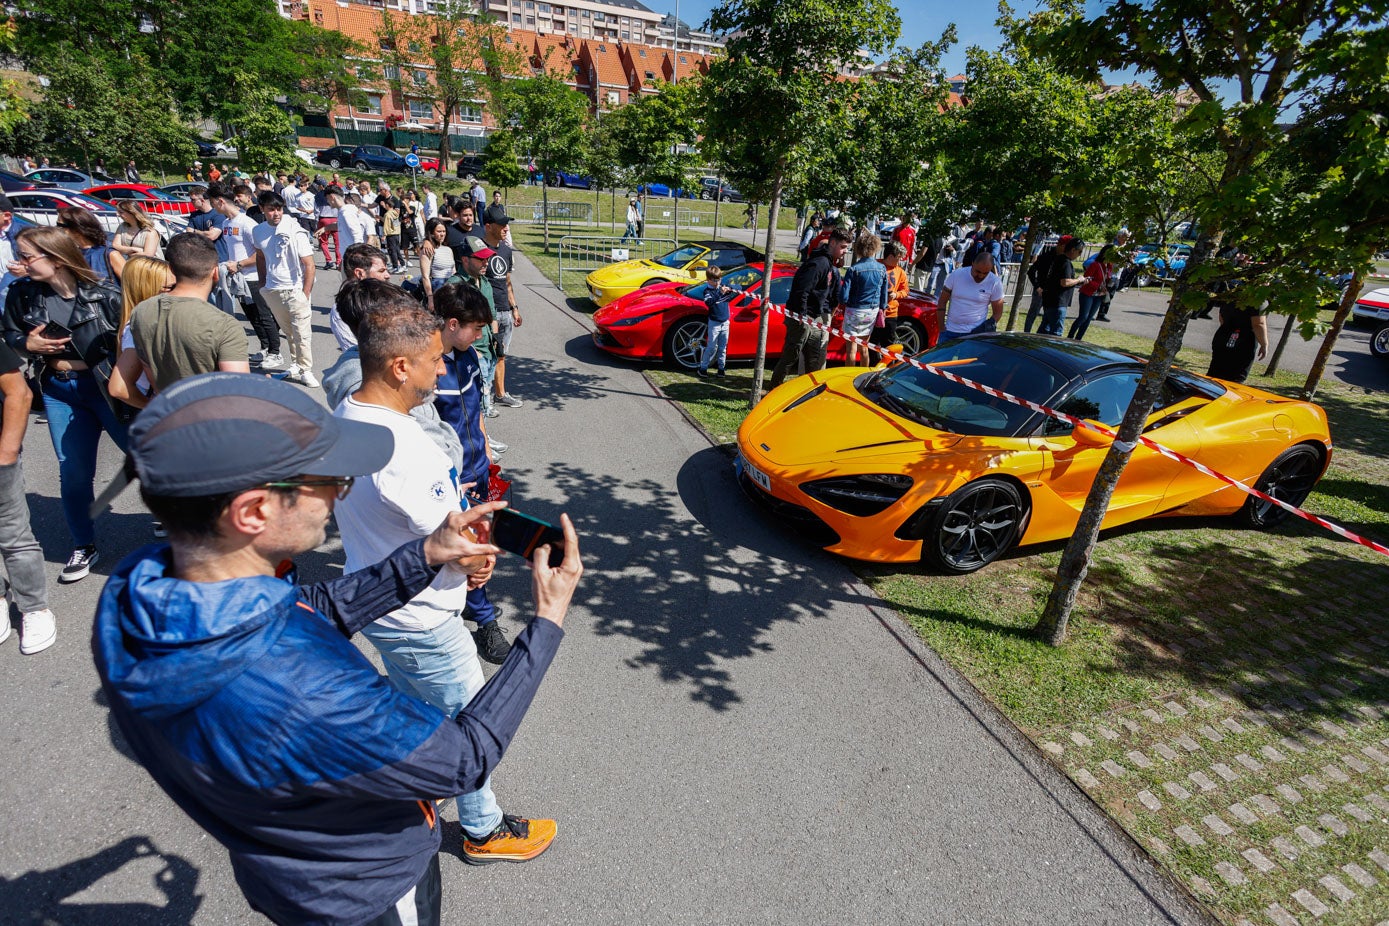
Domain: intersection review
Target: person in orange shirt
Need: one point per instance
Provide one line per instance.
(897, 290)
(213, 174)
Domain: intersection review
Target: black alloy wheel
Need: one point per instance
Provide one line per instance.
(974, 526)
(1289, 478)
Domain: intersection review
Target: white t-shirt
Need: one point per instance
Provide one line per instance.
(354, 227)
(431, 205)
(969, 301)
(240, 237)
(284, 246)
(404, 501)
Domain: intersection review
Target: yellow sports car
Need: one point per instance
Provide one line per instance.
(685, 264)
(897, 464)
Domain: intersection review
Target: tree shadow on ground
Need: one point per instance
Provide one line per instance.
(1357, 421)
(552, 385)
(692, 597)
(38, 897)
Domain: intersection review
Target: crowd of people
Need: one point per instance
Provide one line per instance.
(144, 342)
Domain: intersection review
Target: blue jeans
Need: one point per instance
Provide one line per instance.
(77, 414)
(440, 667)
(1089, 305)
(1034, 308)
(1053, 320)
(715, 344)
(487, 367)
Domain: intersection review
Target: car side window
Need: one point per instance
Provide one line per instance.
(781, 290)
(727, 258)
(107, 195)
(1104, 399)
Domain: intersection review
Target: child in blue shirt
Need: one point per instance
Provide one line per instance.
(716, 297)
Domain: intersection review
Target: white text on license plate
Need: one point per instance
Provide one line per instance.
(757, 476)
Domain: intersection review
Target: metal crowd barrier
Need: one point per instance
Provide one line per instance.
(583, 254)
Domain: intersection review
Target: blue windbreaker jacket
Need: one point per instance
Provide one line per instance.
(249, 706)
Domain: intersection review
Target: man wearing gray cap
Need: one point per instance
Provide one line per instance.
(241, 693)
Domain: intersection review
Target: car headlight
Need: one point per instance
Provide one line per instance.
(632, 320)
(861, 496)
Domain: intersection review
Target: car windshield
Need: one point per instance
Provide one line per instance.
(947, 406)
(91, 202)
(743, 278)
(680, 256)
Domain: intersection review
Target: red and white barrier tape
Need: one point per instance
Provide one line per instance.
(1090, 426)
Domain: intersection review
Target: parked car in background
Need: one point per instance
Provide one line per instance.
(41, 207)
(150, 199)
(469, 165)
(712, 188)
(565, 179)
(1372, 308)
(10, 182)
(668, 322)
(661, 189)
(64, 177)
(336, 156)
(685, 264)
(428, 164)
(377, 157)
(180, 190)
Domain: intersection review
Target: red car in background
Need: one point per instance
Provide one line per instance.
(153, 201)
(667, 321)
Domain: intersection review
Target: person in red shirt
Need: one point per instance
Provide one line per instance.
(905, 235)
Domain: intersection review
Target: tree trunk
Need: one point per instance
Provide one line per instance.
(759, 367)
(1282, 343)
(1075, 560)
(675, 218)
(1022, 272)
(545, 209)
(1352, 293)
(718, 200)
(614, 214)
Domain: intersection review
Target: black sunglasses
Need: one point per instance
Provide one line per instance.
(342, 483)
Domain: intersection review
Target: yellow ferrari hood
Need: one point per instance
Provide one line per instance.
(615, 274)
(846, 426)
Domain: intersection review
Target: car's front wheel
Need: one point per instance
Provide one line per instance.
(974, 526)
(1379, 341)
(1289, 478)
(685, 343)
(360, 165)
(910, 335)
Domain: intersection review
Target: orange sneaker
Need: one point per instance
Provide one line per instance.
(514, 840)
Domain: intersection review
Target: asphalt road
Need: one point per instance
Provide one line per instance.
(735, 730)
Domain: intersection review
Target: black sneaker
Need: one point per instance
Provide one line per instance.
(79, 564)
(701, 373)
(491, 643)
(721, 373)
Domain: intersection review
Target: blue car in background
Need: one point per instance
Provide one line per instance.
(377, 157)
(564, 178)
(660, 189)
(1155, 266)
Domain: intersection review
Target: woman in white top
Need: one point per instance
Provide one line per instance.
(137, 234)
(437, 265)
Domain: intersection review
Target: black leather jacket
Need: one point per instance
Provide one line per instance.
(96, 318)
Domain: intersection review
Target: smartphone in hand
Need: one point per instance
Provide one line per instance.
(521, 534)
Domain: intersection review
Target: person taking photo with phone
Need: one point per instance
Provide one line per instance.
(426, 648)
(243, 695)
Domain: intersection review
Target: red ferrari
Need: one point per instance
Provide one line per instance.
(667, 321)
(153, 201)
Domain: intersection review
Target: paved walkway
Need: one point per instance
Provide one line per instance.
(734, 731)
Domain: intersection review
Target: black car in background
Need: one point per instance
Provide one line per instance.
(336, 156)
(469, 166)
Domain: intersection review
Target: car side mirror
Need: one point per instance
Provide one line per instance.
(699, 265)
(1088, 438)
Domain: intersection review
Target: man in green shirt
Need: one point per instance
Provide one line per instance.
(179, 333)
(472, 255)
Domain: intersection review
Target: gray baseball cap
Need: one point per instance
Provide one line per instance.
(224, 432)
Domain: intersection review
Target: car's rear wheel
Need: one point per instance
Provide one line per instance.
(1379, 341)
(360, 165)
(685, 343)
(654, 282)
(335, 163)
(704, 194)
(974, 526)
(910, 335)
(1289, 478)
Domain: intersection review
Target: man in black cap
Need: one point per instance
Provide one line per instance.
(505, 309)
(242, 694)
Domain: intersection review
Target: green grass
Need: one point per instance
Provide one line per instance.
(1198, 612)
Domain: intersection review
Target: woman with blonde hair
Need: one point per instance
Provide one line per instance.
(145, 278)
(865, 295)
(66, 319)
(137, 235)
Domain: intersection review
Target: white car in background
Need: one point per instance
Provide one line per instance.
(41, 207)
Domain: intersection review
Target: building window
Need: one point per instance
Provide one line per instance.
(420, 110)
(682, 60)
(421, 78)
(625, 34)
(530, 20)
(641, 52)
(573, 29)
(516, 18)
(415, 48)
(613, 98)
(544, 7)
(650, 75)
(583, 14)
(372, 104)
(390, 72)
(470, 114)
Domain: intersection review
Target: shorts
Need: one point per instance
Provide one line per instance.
(859, 322)
(506, 323)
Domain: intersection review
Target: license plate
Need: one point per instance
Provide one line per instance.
(755, 474)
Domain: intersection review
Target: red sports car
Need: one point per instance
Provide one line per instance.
(153, 201)
(667, 321)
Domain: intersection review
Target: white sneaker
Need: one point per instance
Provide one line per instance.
(38, 632)
(497, 446)
(305, 378)
(5, 628)
(273, 360)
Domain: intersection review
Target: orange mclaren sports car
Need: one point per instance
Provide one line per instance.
(897, 464)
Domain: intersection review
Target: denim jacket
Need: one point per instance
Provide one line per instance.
(865, 287)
